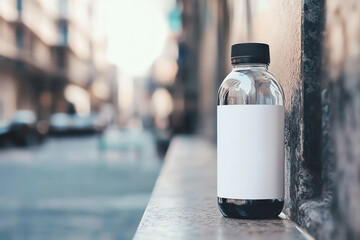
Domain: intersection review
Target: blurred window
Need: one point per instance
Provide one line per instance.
(63, 32)
(19, 37)
(174, 19)
(19, 5)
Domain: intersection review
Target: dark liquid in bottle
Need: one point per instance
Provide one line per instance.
(250, 209)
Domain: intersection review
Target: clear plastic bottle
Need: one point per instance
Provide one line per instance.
(250, 116)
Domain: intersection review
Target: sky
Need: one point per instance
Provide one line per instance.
(137, 31)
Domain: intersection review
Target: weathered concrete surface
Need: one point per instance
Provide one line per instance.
(342, 85)
(183, 204)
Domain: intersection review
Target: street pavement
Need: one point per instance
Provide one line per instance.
(77, 187)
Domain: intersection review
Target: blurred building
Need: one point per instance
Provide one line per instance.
(47, 47)
(202, 63)
(173, 88)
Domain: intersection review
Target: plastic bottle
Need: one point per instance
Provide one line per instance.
(250, 137)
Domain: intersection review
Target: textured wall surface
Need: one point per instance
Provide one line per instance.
(341, 84)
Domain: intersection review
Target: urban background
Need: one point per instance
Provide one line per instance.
(86, 114)
(92, 92)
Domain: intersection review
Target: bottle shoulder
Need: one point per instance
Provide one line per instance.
(251, 76)
(250, 86)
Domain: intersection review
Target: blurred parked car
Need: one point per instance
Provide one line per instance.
(24, 129)
(4, 131)
(71, 124)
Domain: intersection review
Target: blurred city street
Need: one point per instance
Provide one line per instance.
(84, 187)
(87, 110)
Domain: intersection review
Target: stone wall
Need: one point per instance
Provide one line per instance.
(341, 118)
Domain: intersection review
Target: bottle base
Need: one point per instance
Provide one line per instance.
(250, 209)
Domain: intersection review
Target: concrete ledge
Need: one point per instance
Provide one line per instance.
(183, 204)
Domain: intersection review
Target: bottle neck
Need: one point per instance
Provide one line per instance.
(244, 66)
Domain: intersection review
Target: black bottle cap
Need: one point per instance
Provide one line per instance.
(250, 53)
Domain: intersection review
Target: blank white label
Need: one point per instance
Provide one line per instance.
(250, 151)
